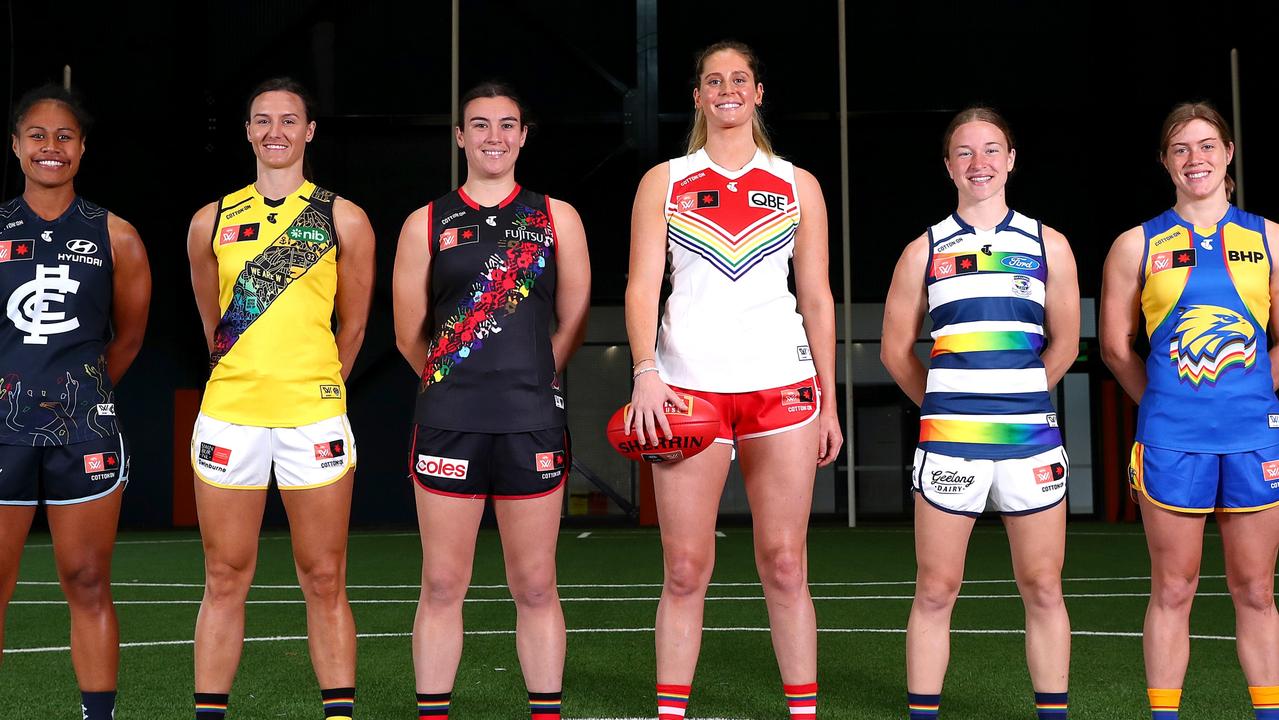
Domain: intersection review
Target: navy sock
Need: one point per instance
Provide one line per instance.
(98, 705)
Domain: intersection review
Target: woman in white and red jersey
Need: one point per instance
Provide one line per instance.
(729, 214)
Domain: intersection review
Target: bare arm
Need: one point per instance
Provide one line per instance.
(904, 310)
(204, 269)
(817, 306)
(643, 288)
(1120, 305)
(355, 280)
(130, 296)
(1061, 307)
(572, 282)
(411, 286)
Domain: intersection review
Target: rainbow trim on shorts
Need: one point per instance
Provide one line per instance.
(987, 433)
(987, 341)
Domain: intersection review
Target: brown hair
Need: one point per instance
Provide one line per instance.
(976, 113)
(697, 136)
(1184, 113)
(490, 89)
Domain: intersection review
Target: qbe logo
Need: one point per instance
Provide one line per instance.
(442, 467)
(766, 200)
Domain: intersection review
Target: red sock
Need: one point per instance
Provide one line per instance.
(672, 701)
(802, 700)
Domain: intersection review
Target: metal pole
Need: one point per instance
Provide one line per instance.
(66, 77)
(1235, 108)
(455, 44)
(849, 440)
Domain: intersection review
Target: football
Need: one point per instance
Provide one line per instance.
(692, 431)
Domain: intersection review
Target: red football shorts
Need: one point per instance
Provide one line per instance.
(763, 412)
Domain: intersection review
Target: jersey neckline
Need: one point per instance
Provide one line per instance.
(75, 200)
(476, 206)
(754, 162)
(1003, 224)
(1213, 229)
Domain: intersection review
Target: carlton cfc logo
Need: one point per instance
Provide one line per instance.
(30, 306)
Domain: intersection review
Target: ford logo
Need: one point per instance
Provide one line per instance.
(1020, 262)
(83, 247)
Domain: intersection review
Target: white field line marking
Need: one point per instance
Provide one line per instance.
(740, 598)
(611, 630)
(584, 535)
(720, 533)
(618, 586)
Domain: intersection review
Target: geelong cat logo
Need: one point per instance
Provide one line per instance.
(1208, 341)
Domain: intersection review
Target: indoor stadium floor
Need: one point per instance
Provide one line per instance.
(861, 581)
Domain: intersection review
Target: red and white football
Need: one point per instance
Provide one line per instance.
(692, 431)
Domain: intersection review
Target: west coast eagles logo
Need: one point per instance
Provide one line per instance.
(1209, 340)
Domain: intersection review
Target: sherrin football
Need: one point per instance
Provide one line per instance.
(692, 431)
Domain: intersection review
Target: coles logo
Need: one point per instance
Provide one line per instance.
(442, 467)
(1270, 470)
(1019, 262)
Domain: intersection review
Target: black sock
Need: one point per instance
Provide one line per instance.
(210, 706)
(433, 706)
(339, 702)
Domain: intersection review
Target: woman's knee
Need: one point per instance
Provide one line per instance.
(936, 592)
(1041, 591)
(324, 580)
(782, 571)
(444, 587)
(227, 580)
(1173, 591)
(1253, 594)
(688, 571)
(87, 585)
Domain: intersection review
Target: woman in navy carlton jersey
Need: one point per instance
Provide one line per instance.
(1002, 294)
(272, 265)
(78, 287)
(1202, 280)
(479, 276)
(733, 216)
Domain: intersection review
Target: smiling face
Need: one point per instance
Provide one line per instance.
(491, 135)
(48, 144)
(1196, 159)
(979, 160)
(727, 92)
(279, 129)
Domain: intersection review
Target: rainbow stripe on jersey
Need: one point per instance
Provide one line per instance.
(987, 391)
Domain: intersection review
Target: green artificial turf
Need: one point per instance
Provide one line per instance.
(861, 611)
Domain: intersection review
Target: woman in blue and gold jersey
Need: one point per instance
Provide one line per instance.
(1001, 291)
(78, 288)
(1201, 279)
(480, 274)
(271, 264)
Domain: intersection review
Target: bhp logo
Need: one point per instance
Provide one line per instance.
(442, 467)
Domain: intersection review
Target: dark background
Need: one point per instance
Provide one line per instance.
(1085, 88)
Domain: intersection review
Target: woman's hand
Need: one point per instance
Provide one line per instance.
(830, 438)
(647, 412)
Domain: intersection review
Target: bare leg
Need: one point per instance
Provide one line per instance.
(1176, 547)
(318, 522)
(530, 529)
(448, 526)
(688, 495)
(1039, 550)
(15, 523)
(941, 545)
(1250, 541)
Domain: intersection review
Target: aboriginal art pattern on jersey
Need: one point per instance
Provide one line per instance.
(289, 257)
(507, 279)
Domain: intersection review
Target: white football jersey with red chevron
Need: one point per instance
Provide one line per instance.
(730, 323)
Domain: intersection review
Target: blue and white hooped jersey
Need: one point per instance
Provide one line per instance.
(987, 390)
(1205, 298)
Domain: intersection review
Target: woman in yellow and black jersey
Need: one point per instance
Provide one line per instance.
(271, 264)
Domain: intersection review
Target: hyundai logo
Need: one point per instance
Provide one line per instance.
(84, 247)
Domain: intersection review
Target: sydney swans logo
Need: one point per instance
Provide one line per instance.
(1208, 340)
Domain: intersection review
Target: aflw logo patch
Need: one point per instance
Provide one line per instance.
(100, 462)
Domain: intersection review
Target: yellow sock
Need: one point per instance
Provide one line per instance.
(1265, 702)
(1164, 703)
